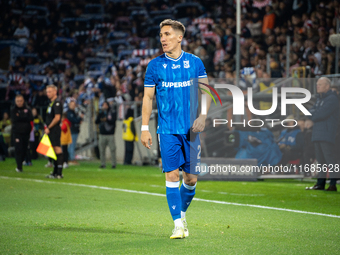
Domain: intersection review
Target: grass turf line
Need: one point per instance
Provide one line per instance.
(39, 218)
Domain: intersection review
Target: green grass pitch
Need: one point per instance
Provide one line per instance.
(52, 217)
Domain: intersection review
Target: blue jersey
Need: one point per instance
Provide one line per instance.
(176, 90)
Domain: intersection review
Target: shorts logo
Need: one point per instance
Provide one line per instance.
(186, 64)
(173, 207)
(164, 65)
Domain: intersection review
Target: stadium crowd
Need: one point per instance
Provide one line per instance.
(62, 42)
(100, 51)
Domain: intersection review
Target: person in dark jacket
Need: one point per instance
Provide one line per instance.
(325, 116)
(106, 119)
(21, 117)
(75, 120)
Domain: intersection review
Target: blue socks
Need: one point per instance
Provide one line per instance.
(179, 199)
(187, 194)
(174, 199)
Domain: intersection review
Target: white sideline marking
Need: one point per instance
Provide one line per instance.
(244, 195)
(163, 195)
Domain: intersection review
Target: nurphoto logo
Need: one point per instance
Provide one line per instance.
(238, 103)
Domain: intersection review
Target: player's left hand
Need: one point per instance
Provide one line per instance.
(47, 131)
(199, 124)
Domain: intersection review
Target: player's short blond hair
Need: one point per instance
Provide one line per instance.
(176, 25)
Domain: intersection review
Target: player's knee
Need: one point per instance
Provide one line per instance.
(191, 182)
(172, 176)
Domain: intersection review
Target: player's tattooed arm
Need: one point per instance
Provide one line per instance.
(149, 93)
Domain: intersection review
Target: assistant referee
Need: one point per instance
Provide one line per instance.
(53, 130)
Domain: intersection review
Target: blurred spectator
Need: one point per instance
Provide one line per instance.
(219, 54)
(229, 42)
(75, 121)
(325, 115)
(5, 122)
(129, 136)
(207, 61)
(65, 138)
(282, 13)
(22, 33)
(264, 84)
(255, 25)
(268, 19)
(106, 119)
(300, 6)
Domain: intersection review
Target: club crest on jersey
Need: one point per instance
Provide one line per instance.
(164, 65)
(186, 64)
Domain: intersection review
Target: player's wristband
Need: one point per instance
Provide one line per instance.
(145, 128)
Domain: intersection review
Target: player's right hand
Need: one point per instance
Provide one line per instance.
(146, 139)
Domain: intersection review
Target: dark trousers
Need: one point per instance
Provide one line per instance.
(34, 146)
(325, 154)
(28, 157)
(65, 152)
(21, 147)
(128, 152)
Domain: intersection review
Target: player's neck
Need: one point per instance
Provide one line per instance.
(53, 98)
(175, 53)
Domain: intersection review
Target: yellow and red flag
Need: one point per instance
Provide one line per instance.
(45, 147)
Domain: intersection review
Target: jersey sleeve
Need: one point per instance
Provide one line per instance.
(149, 80)
(201, 69)
(58, 108)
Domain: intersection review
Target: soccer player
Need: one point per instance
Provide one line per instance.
(53, 130)
(172, 76)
